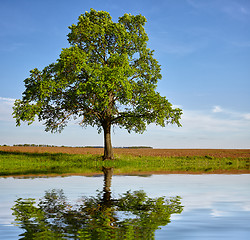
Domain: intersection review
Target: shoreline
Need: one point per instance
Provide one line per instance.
(139, 173)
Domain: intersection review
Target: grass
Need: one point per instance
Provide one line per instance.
(16, 163)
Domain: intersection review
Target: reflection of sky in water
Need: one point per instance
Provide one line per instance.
(215, 206)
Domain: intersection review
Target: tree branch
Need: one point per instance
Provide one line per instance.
(127, 115)
(64, 119)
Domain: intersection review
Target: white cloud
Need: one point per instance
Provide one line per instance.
(6, 105)
(246, 116)
(200, 129)
(202, 121)
(7, 100)
(231, 114)
(217, 109)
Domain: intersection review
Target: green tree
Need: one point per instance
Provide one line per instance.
(108, 76)
(133, 215)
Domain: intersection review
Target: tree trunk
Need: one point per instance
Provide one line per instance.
(108, 172)
(108, 150)
(106, 200)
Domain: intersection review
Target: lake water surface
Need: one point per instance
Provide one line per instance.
(214, 206)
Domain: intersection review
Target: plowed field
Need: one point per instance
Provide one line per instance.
(232, 153)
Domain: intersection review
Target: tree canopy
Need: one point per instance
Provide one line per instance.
(133, 215)
(108, 76)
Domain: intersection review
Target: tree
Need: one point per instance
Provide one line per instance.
(108, 76)
(133, 215)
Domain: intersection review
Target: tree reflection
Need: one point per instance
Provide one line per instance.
(132, 215)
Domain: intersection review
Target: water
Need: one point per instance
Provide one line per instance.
(215, 206)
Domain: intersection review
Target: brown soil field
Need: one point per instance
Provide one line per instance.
(232, 153)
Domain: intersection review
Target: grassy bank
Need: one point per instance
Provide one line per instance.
(16, 163)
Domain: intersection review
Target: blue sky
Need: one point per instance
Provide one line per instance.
(203, 48)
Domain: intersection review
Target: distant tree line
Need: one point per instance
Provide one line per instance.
(46, 145)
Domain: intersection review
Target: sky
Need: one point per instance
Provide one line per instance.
(203, 48)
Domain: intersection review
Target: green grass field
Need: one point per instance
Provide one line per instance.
(14, 164)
